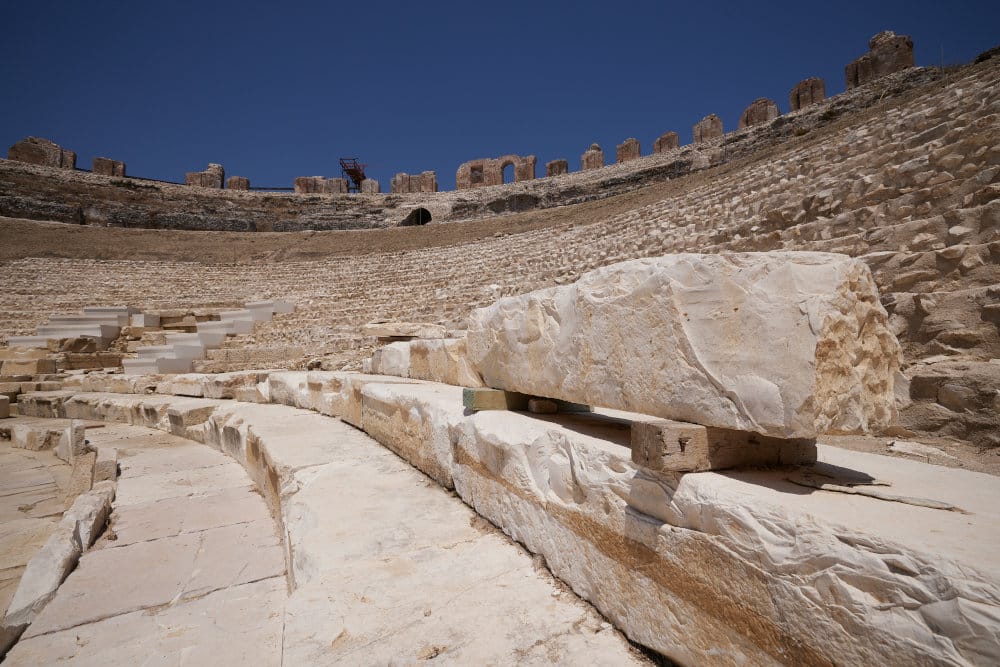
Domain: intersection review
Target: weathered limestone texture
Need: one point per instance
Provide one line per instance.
(806, 92)
(237, 183)
(370, 186)
(708, 128)
(786, 344)
(403, 183)
(593, 158)
(665, 142)
(760, 111)
(213, 177)
(36, 150)
(320, 185)
(628, 150)
(489, 171)
(108, 167)
(556, 168)
(888, 53)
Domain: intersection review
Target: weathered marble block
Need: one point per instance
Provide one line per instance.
(787, 344)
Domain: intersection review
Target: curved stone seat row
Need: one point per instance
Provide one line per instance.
(859, 559)
(382, 566)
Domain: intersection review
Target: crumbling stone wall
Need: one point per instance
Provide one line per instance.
(370, 186)
(489, 171)
(36, 150)
(556, 168)
(760, 111)
(593, 158)
(423, 182)
(806, 92)
(628, 150)
(888, 53)
(237, 183)
(108, 167)
(708, 128)
(320, 185)
(213, 177)
(666, 142)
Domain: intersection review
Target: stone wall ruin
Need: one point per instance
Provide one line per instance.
(806, 92)
(666, 142)
(593, 158)
(370, 186)
(35, 150)
(707, 129)
(213, 177)
(108, 167)
(556, 168)
(628, 150)
(403, 183)
(888, 53)
(237, 183)
(489, 171)
(320, 185)
(760, 111)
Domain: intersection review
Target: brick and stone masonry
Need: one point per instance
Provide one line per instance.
(593, 158)
(708, 128)
(370, 186)
(556, 168)
(628, 150)
(237, 183)
(888, 53)
(760, 111)
(213, 177)
(489, 171)
(403, 183)
(320, 185)
(666, 142)
(108, 167)
(35, 150)
(806, 92)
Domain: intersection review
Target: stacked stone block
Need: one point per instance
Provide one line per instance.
(593, 158)
(213, 177)
(108, 167)
(707, 129)
(888, 53)
(760, 111)
(556, 168)
(665, 142)
(628, 150)
(403, 183)
(35, 150)
(806, 92)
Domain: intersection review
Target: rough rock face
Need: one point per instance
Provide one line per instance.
(593, 158)
(403, 183)
(628, 150)
(760, 111)
(213, 177)
(108, 167)
(665, 142)
(556, 168)
(708, 128)
(782, 343)
(888, 53)
(806, 92)
(36, 150)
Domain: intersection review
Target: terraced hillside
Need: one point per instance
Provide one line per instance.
(910, 185)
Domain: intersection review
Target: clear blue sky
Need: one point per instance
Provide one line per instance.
(275, 91)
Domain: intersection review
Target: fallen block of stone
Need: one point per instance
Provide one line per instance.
(444, 360)
(106, 465)
(783, 344)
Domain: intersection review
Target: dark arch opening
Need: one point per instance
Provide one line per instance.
(504, 173)
(418, 216)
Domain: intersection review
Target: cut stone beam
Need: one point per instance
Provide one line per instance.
(669, 446)
(786, 344)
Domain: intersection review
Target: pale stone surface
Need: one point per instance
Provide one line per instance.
(392, 359)
(444, 360)
(784, 344)
(403, 329)
(245, 628)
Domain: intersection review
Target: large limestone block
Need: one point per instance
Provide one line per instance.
(443, 360)
(787, 344)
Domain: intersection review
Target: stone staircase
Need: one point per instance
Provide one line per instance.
(180, 350)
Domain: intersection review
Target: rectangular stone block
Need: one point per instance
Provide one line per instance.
(4, 407)
(28, 367)
(783, 344)
(106, 465)
(671, 446)
(72, 442)
(108, 167)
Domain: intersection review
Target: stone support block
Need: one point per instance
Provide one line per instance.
(403, 183)
(784, 344)
(106, 465)
(28, 367)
